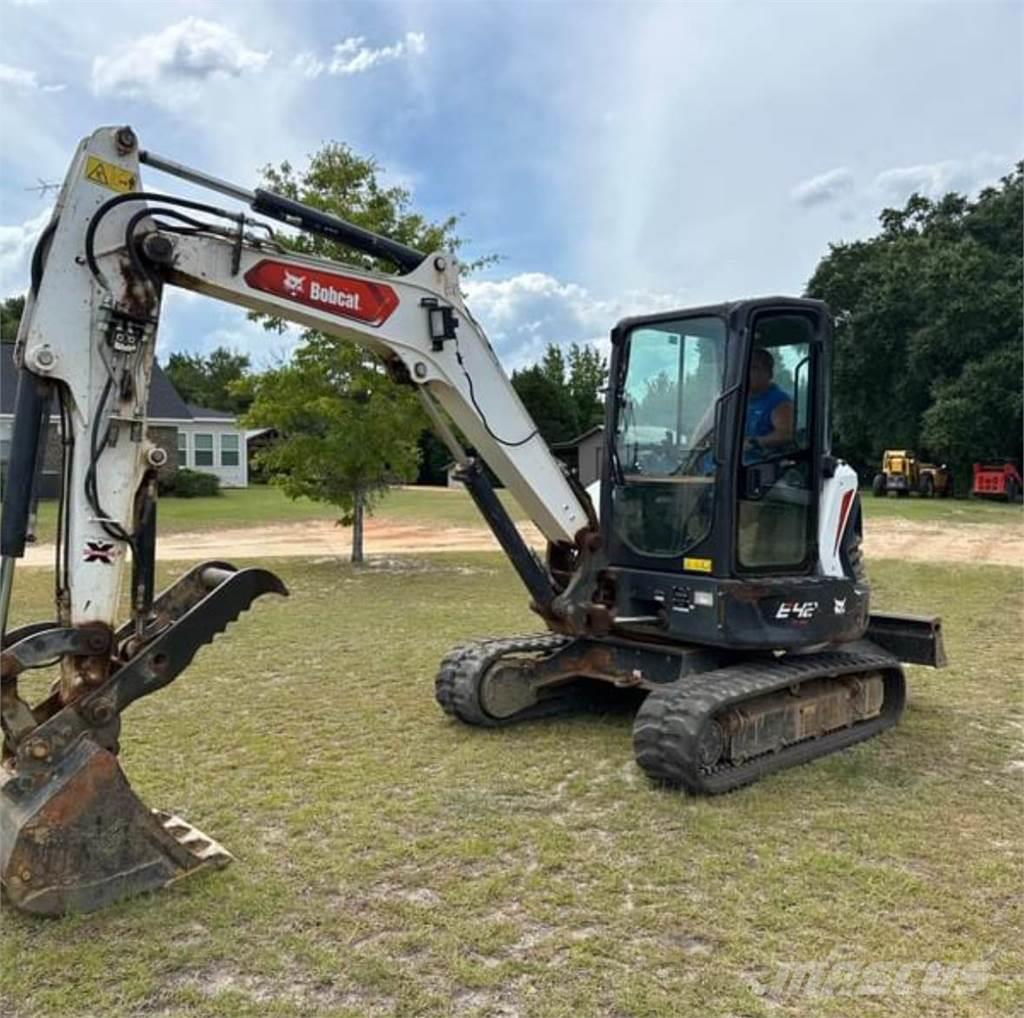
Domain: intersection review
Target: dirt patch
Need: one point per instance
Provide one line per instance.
(980, 543)
(991, 544)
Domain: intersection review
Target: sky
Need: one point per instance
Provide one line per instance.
(618, 157)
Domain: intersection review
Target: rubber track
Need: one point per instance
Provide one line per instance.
(458, 680)
(670, 720)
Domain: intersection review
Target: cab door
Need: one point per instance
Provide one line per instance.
(781, 438)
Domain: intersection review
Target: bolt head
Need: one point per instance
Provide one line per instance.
(44, 359)
(126, 140)
(159, 248)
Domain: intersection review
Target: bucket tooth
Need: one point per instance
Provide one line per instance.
(202, 846)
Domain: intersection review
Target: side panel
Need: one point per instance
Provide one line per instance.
(838, 494)
(765, 614)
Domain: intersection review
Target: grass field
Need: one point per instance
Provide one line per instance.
(262, 506)
(940, 510)
(392, 862)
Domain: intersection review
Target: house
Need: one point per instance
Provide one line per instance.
(210, 441)
(583, 454)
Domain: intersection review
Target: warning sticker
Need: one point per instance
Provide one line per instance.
(108, 175)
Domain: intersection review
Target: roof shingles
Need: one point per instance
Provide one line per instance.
(165, 404)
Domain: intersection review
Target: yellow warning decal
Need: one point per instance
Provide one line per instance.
(697, 565)
(108, 175)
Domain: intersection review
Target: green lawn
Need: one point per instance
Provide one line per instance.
(261, 505)
(940, 510)
(393, 862)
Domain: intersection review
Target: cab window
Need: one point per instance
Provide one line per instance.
(776, 485)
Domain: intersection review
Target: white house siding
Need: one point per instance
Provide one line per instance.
(231, 476)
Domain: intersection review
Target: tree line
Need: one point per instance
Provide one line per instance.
(928, 330)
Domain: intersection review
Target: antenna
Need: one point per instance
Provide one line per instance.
(43, 187)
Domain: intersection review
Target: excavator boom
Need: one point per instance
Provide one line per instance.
(85, 349)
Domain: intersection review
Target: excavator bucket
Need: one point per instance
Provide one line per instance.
(74, 837)
(83, 839)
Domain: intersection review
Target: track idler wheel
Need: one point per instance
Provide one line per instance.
(488, 682)
(76, 838)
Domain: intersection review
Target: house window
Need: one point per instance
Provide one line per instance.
(182, 449)
(203, 445)
(229, 450)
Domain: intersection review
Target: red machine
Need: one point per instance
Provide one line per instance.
(997, 480)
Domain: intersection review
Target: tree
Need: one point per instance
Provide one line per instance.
(588, 375)
(548, 402)
(564, 401)
(978, 415)
(928, 328)
(345, 184)
(10, 318)
(346, 431)
(434, 459)
(211, 381)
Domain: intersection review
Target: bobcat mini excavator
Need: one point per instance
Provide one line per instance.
(716, 572)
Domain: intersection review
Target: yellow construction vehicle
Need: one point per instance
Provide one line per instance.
(903, 473)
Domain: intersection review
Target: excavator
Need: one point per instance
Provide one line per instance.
(715, 574)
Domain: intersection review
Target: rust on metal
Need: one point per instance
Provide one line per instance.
(811, 710)
(81, 673)
(140, 297)
(83, 839)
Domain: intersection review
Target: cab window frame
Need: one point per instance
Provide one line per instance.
(810, 453)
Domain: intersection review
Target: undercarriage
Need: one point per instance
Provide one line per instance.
(707, 722)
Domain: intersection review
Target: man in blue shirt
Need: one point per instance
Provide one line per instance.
(769, 410)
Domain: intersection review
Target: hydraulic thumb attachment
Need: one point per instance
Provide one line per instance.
(73, 835)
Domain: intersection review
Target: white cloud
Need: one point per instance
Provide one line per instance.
(936, 179)
(171, 65)
(825, 188)
(523, 313)
(24, 80)
(308, 65)
(194, 323)
(353, 56)
(16, 243)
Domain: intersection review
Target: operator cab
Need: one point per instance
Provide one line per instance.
(718, 449)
